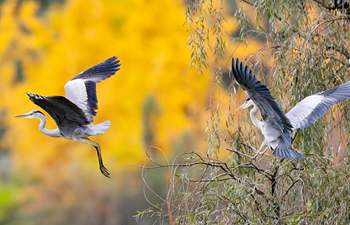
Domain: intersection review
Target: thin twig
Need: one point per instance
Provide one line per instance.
(239, 153)
(259, 170)
(323, 5)
(290, 187)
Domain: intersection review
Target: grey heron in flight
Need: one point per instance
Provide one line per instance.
(276, 126)
(74, 113)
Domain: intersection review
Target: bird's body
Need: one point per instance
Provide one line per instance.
(71, 128)
(280, 140)
(270, 133)
(277, 127)
(74, 113)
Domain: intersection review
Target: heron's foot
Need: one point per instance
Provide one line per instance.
(105, 171)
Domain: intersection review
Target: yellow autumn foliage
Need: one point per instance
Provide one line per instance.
(150, 40)
(151, 45)
(157, 101)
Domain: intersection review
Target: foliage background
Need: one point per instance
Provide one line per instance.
(165, 101)
(158, 104)
(305, 50)
(150, 102)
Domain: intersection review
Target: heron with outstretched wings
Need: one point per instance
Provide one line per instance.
(276, 126)
(74, 113)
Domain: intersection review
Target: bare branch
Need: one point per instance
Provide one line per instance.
(291, 186)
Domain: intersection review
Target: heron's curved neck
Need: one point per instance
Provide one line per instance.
(253, 116)
(43, 129)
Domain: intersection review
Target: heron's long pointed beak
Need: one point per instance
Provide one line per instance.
(22, 115)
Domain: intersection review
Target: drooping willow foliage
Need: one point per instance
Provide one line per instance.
(306, 49)
(204, 19)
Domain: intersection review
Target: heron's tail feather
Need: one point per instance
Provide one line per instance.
(100, 128)
(287, 153)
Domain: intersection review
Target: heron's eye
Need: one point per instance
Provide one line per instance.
(247, 99)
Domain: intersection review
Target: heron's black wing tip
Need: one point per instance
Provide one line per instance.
(114, 60)
(101, 71)
(243, 74)
(34, 97)
(113, 63)
(235, 62)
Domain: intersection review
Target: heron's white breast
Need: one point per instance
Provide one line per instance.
(270, 133)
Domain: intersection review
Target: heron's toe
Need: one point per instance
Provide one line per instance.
(105, 172)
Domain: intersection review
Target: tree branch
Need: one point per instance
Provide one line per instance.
(322, 4)
(291, 186)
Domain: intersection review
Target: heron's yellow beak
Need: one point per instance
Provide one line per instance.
(23, 115)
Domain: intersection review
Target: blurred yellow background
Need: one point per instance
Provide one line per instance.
(157, 103)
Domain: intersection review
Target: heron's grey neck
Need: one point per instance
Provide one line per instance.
(253, 116)
(43, 129)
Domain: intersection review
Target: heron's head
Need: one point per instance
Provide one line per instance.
(32, 114)
(248, 103)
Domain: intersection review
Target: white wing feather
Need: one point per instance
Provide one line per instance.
(81, 90)
(298, 114)
(310, 109)
(76, 92)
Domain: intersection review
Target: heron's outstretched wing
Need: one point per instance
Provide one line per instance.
(60, 109)
(261, 96)
(81, 90)
(310, 109)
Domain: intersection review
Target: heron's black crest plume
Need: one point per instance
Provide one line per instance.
(37, 111)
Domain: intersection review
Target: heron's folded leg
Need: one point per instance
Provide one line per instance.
(96, 145)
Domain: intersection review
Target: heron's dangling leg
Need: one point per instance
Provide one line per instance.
(96, 145)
